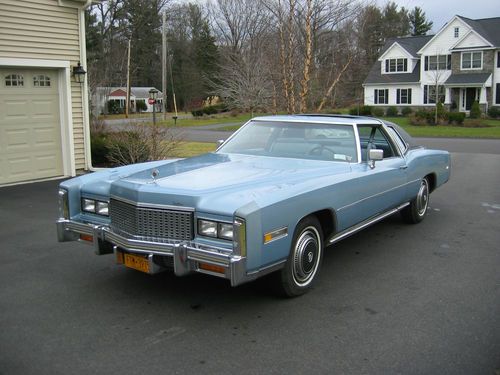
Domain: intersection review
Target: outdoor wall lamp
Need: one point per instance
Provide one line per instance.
(79, 73)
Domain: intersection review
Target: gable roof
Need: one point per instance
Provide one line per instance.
(488, 28)
(412, 44)
(376, 77)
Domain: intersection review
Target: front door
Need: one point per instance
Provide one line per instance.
(469, 95)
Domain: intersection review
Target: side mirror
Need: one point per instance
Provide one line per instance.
(374, 155)
(219, 143)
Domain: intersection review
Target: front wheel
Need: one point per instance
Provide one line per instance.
(417, 209)
(303, 264)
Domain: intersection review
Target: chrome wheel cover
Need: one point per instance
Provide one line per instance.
(306, 256)
(423, 198)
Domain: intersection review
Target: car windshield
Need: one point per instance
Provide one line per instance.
(294, 140)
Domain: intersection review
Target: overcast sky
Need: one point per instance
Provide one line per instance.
(441, 11)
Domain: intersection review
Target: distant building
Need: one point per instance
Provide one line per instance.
(112, 100)
(462, 60)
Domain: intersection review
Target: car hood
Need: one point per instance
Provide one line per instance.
(220, 183)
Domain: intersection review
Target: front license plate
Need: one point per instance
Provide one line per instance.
(136, 262)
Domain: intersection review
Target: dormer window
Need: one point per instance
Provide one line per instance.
(456, 32)
(396, 65)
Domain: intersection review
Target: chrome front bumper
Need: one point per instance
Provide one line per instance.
(187, 255)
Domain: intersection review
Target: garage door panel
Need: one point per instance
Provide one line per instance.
(30, 130)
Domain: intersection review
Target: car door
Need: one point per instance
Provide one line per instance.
(375, 190)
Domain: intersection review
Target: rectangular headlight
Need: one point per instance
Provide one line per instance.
(207, 228)
(63, 204)
(102, 208)
(88, 205)
(226, 231)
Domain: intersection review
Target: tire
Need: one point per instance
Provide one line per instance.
(304, 261)
(416, 211)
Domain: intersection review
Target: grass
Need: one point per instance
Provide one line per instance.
(493, 131)
(188, 149)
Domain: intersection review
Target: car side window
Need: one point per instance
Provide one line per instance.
(397, 138)
(373, 137)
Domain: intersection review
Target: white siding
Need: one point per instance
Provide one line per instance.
(441, 43)
(416, 94)
(41, 29)
(471, 40)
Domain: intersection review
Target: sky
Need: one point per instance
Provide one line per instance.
(441, 11)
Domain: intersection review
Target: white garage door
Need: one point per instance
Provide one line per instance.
(30, 130)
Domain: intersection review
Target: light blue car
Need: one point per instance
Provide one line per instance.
(270, 199)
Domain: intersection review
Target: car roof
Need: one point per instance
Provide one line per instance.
(321, 118)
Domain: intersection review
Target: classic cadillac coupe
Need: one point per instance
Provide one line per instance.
(270, 199)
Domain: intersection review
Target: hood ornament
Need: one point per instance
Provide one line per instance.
(154, 174)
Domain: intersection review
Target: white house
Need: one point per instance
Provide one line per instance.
(118, 95)
(44, 123)
(461, 63)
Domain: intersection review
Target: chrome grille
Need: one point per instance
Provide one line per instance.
(150, 223)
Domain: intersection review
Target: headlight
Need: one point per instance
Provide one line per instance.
(215, 229)
(88, 205)
(63, 204)
(207, 228)
(95, 206)
(102, 208)
(226, 231)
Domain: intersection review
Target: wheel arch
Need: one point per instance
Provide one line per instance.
(327, 219)
(432, 178)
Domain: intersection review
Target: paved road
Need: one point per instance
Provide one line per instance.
(395, 299)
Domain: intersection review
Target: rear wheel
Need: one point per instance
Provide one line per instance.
(417, 209)
(304, 261)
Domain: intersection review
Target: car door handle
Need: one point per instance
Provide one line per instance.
(403, 166)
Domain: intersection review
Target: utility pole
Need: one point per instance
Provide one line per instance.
(164, 64)
(127, 102)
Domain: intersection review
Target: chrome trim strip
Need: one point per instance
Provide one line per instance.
(375, 195)
(350, 231)
(152, 205)
(358, 144)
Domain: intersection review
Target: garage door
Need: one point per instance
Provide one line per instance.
(30, 130)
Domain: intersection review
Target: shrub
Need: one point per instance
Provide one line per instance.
(377, 112)
(406, 111)
(114, 107)
(475, 111)
(440, 110)
(423, 117)
(475, 123)
(210, 110)
(494, 112)
(353, 111)
(99, 149)
(140, 105)
(197, 112)
(365, 110)
(391, 112)
(456, 118)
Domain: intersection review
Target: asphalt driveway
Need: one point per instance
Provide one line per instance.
(394, 299)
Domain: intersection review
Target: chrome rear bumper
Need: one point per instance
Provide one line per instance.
(187, 255)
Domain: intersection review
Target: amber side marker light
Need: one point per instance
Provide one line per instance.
(86, 237)
(211, 267)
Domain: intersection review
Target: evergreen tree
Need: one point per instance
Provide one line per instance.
(395, 21)
(418, 22)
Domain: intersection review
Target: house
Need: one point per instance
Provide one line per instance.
(44, 123)
(118, 96)
(457, 66)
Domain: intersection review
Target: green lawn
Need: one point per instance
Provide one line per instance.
(188, 149)
(493, 131)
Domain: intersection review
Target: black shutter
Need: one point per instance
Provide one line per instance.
(498, 61)
(409, 96)
(426, 65)
(386, 66)
(498, 94)
(386, 96)
(425, 94)
(405, 64)
(376, 96)
(448, 62)
(398, 96)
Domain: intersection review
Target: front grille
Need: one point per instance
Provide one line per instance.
(150, 223)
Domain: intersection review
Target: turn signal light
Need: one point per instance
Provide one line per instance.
(211, 267)
(86, 237)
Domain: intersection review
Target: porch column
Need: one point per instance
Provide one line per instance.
(447, 95)
(482, 95)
